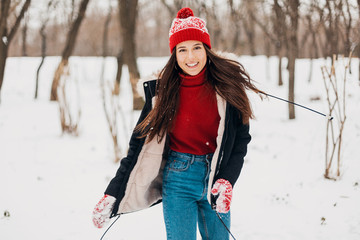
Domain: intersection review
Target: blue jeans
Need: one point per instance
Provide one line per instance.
(185, 204)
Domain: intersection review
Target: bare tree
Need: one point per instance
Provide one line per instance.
(120, 63)
(331, 27)
(106, 31)
(336, 99)
(175, 7)
(249, 26)
(24, 32)
(230, 30)
(312, 26)
(119, 58)
(213, 24)
(7, 33)
(281, 36)
(292, 51)
(274, 29)
(59, 88)
(127, 16)
(69, 113)
(69, 47)
(347, 21)
(44, 22)
(236, 20)
(285, 25)
(110, 99)
(243, 15)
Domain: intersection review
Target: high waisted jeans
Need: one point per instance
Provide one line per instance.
(185, 204)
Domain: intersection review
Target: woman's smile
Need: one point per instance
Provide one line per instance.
(192, 64)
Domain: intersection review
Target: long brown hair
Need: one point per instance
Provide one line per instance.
(228, 78)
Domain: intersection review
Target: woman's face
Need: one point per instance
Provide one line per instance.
(191, 56)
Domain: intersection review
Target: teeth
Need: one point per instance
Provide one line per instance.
(192, 65)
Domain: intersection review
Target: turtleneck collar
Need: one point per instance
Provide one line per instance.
(192, 81)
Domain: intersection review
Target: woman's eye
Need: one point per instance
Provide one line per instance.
(181, 50)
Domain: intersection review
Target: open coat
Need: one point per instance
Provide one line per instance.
(138, 181)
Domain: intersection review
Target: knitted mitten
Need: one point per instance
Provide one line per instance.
(102, 211)
(222, 190)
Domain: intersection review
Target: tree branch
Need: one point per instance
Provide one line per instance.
(18, 20)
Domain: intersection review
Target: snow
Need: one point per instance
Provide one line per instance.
(50, 182)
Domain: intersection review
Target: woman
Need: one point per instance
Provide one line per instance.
(188, 147)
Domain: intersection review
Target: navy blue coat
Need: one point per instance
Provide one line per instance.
(227, 163)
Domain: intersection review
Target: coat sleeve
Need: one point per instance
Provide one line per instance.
(234, 151)
(117, 184)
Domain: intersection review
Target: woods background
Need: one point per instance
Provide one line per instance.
(126, 29)
(257, 27)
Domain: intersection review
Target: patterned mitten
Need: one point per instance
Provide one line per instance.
(222, 190)
(102, 211)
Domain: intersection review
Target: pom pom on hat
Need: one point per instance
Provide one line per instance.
(188, 27)
(185, 13)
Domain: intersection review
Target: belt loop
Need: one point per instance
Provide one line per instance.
(192, 159)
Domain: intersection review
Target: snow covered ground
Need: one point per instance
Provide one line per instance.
(49, 183)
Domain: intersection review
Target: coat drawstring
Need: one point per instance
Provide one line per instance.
(109, 227)
(217, 214)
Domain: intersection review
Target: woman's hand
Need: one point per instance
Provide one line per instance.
(222, 191)
(102, 211)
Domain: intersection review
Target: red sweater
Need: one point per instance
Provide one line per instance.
(197, 120)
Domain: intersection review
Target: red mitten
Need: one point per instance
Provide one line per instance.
(223, 189)
(102, 211)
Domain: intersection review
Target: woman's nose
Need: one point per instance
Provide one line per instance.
(191, 55)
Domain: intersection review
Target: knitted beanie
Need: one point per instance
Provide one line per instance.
(187, 27)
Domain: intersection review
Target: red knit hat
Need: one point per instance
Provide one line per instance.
(187, 27)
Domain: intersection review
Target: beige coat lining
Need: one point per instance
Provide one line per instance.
(221, 104)
(144, 187)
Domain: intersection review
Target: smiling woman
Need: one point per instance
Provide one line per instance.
(189, 145)
(191, 56)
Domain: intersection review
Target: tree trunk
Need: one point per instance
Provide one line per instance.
(5, 5)
(279, 53)
(3, 56)
(347, 19)
(280, 31)
(119, 58)
(24, 38)
(43, 55)
(235, 41)
(313, 54)
(69, 47)
(280, 79)
(120, 63)
(250, 33)
(5, 35)
(249, 25)
(105, 33)
(291, 66)
(43, 45)
(128, 15)
(293, 53)
(332, 30)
